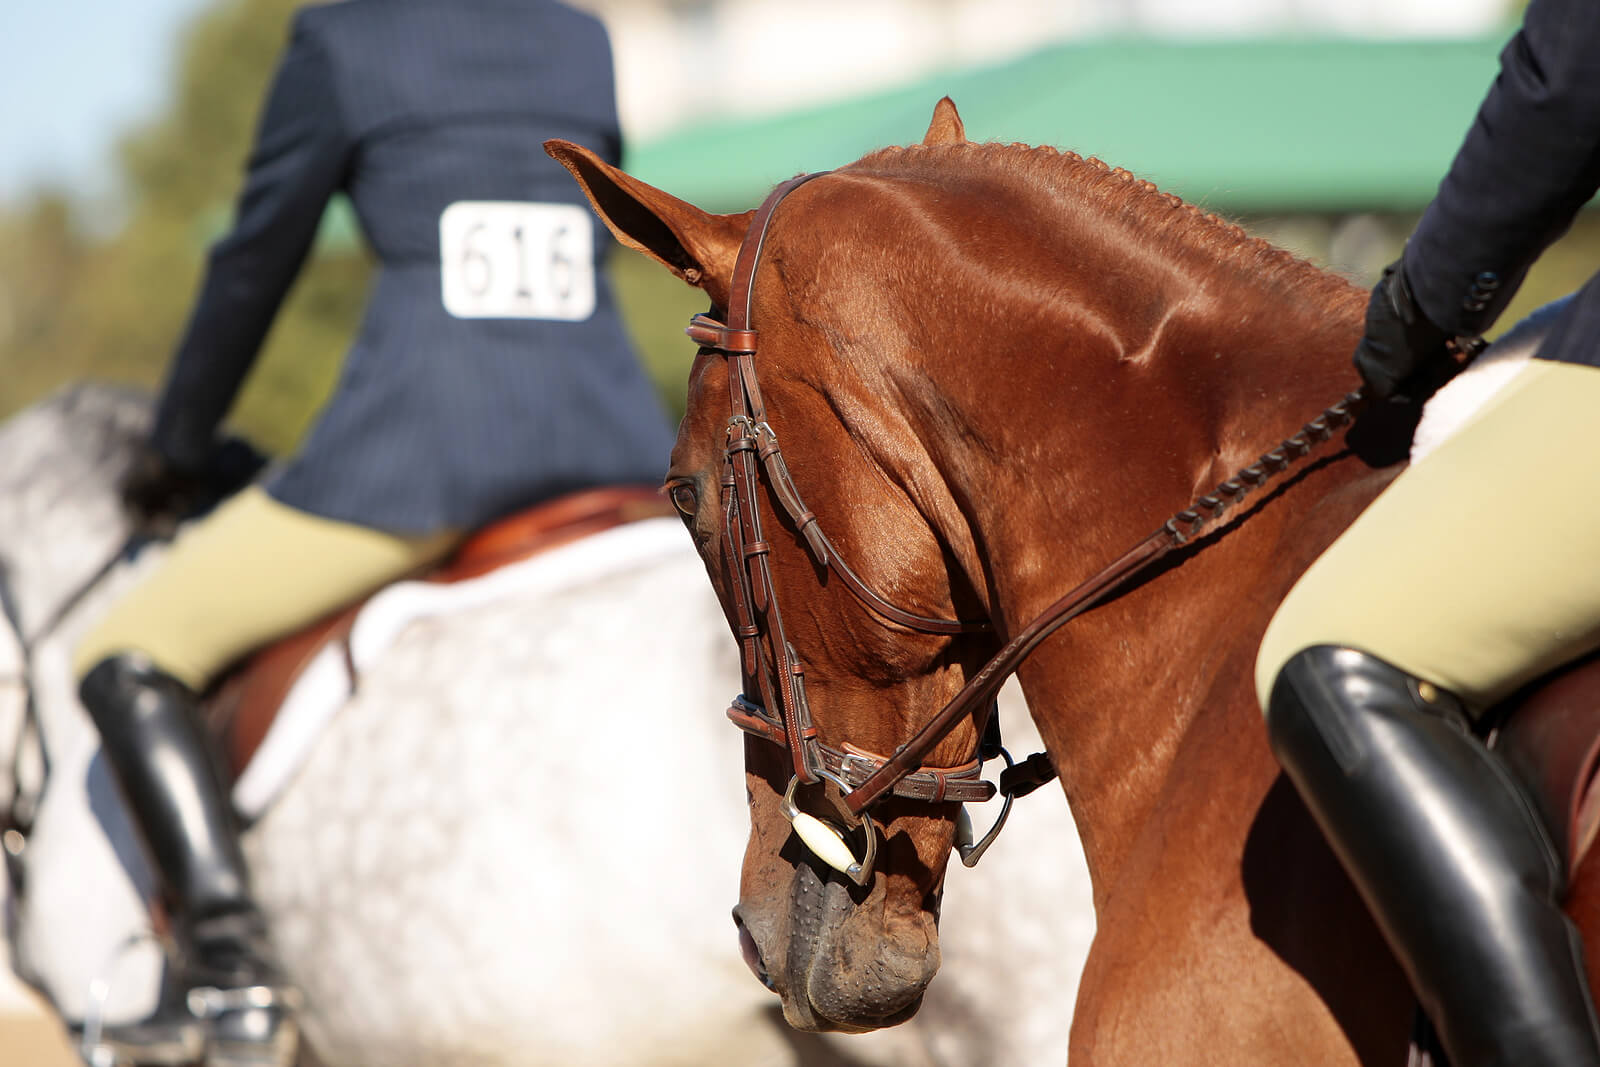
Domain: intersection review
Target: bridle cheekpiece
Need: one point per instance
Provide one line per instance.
(863, 778)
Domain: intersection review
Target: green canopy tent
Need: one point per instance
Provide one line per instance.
(1242, 127)
(1270, 125)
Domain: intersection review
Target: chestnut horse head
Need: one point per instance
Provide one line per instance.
(993, 369)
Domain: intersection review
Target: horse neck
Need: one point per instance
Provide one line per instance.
(1061, 471)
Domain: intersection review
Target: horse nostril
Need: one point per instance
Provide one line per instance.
(752, 954)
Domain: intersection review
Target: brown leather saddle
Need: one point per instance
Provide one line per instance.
(241, 707)
(1549, 735)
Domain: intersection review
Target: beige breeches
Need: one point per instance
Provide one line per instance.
(251, 571)
(1479, 567)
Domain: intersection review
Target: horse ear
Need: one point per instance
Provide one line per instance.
(697, 246)
(946, 127)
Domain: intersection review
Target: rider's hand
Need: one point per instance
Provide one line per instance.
(159, 494)
(1401, 352)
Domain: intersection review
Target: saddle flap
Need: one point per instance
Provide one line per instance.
(1549, 737)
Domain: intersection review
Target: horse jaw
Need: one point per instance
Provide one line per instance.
(842, 958)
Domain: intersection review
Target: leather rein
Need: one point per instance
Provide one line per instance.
(752, 449)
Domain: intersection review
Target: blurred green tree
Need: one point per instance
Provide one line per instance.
(73, 307)
(113, 309)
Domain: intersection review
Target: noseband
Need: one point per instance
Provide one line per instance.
(864, 778)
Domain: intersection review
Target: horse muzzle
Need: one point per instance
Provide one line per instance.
(832, 959)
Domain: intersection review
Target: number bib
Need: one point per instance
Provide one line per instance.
(503, 259)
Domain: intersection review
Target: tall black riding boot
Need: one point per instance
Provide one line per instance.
(1456, 867)
(170, 779)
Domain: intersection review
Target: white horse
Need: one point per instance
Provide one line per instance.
(516, 842)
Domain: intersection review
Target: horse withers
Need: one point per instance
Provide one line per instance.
(993, 371)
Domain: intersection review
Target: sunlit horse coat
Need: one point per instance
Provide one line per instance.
(409, 107)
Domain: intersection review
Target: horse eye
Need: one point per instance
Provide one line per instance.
(684, 499)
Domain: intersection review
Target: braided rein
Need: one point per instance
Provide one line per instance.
(1179, 530)
(1205, 511)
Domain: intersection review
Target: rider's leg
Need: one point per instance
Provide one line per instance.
(152, 741)
(1471, 575)
(1446, 851)
(1475, 568)
(252, 570)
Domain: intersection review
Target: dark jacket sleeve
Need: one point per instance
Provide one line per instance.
(298, 161)
(1530, 161)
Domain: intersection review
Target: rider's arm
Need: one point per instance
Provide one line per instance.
(298, 161)
(1530, 161)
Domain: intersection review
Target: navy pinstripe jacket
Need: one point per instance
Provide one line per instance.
(1529, 162)
(526, 385)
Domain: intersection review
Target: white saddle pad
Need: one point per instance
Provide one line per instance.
(326, 683)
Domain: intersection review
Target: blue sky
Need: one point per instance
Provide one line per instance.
(73, 75)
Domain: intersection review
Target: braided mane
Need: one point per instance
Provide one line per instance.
(1182, 229)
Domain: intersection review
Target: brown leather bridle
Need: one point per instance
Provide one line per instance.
(864, 778)
(751, 448)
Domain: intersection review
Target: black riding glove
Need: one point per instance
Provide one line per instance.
(1401, 352)
(155, 491)
(157, 494)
